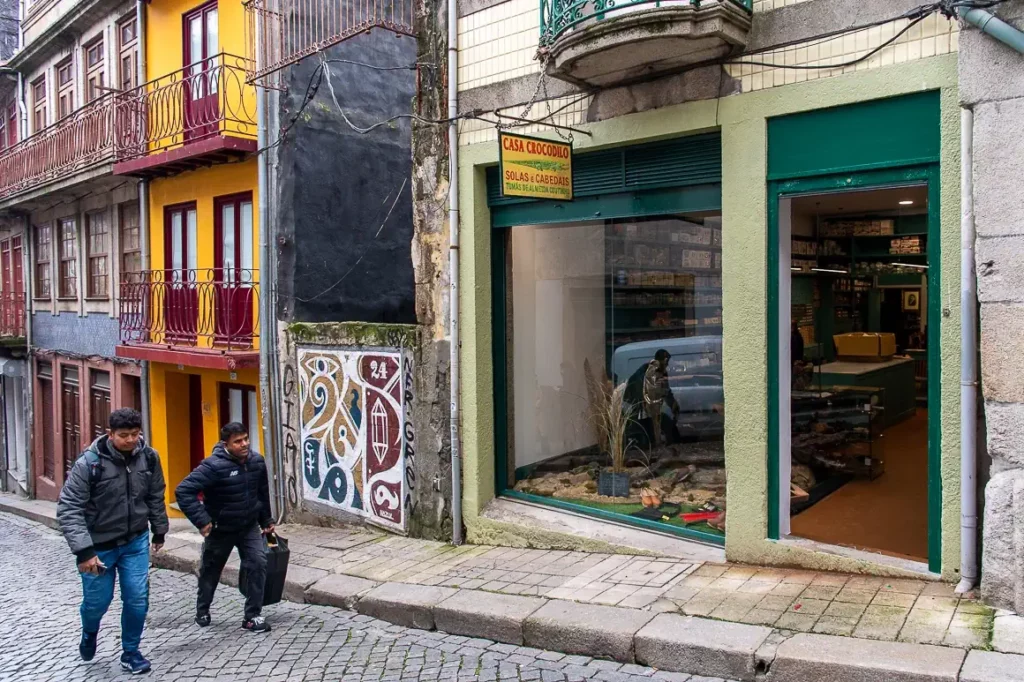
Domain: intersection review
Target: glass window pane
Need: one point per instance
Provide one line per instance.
(616, 366)
(235, 404)
(192, 239)
(246, 236)
(177, 257)
(228, 233)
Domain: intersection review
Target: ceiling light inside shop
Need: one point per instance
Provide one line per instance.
(910, 265)
(838, 272)
(907, 202)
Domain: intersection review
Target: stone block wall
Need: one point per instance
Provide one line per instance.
(992, 84)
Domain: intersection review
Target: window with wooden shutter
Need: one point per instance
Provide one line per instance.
(95, 80)
(65, 88)
(127, 62)
(38, 104)
(71, 412)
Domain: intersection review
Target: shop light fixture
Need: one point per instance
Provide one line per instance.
(910, 265)
(907, 202)
(838, 272)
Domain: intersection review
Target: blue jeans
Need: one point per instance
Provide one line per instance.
(131, 563)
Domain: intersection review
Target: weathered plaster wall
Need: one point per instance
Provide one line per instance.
(427, 508)
(742, 119)
(992, 84)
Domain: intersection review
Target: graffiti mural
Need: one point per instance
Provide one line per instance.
(352, 431)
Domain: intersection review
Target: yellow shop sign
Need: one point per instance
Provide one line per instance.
(535, 168)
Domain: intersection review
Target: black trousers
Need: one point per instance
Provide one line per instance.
(216, 550)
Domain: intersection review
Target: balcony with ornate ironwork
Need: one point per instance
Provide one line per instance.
(200, 317)
(279, 33)
(12, 317)
(78, 144)
(202, 114)
(611, 42)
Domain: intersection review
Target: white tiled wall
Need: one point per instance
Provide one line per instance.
(769, 5)
(933, 36)
(570, 110)
(498, 43)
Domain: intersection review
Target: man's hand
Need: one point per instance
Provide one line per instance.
(157, 548)
(93, 566)
(269, 530)
(206, 530)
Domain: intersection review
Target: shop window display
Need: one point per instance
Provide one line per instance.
(615, 367)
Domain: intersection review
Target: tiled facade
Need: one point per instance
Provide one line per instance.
(500, 43)
(933, 36)
(565, 111)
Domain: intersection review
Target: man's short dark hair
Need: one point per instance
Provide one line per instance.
(662, 355)
(232, 429)
(125, 419)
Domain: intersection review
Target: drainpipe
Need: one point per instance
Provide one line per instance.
(29, 388)
(267, 313)
(1010, 36)
(143, 191)
(968, 362)
(453, 266)
(994, 26)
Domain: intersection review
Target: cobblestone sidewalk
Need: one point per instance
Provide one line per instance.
(41, 591)
(915, 611)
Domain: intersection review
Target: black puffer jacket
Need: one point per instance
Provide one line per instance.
(236, 493)
(124, 499)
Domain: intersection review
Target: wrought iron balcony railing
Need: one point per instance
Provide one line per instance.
(12, 314)
(281, 32)
(558, 17)
(209, 308)
(76, 142)
(207, 99)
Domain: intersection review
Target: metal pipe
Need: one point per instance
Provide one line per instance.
(994, 26)
(276, 385)
(453, 268)
(26, 260)
(143, 191)
(267, 315)
(968, 362)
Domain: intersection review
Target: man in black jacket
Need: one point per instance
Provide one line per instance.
(112, 497)
(235, 507)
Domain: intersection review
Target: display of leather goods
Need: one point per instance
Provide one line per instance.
(663, 512)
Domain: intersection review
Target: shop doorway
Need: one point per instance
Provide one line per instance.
(855, 349)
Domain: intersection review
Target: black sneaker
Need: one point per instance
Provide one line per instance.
(202, 619)
(257, 624)
(87, 645)
(134, 662)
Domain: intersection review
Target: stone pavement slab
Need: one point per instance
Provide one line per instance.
(482, 614)
(585, 629)
(411, 606)
(814, 658)
(340, 591)
(700, 646)
(988, 666)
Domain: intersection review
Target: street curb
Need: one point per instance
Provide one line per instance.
(672, 643)
(30, 509)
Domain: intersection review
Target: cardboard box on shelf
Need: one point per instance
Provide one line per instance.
(865, 346)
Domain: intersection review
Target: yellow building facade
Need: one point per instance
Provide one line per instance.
(200, 294)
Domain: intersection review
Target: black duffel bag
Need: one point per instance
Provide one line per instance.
(276, 548)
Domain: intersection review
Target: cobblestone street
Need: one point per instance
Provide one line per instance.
(40, 627)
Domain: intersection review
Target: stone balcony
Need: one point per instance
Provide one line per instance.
(602, 43)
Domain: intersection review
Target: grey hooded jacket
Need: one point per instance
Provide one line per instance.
(127, 498)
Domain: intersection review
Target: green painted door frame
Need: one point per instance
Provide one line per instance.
(914, 175)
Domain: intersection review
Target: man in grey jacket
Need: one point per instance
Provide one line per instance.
(112, 496)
